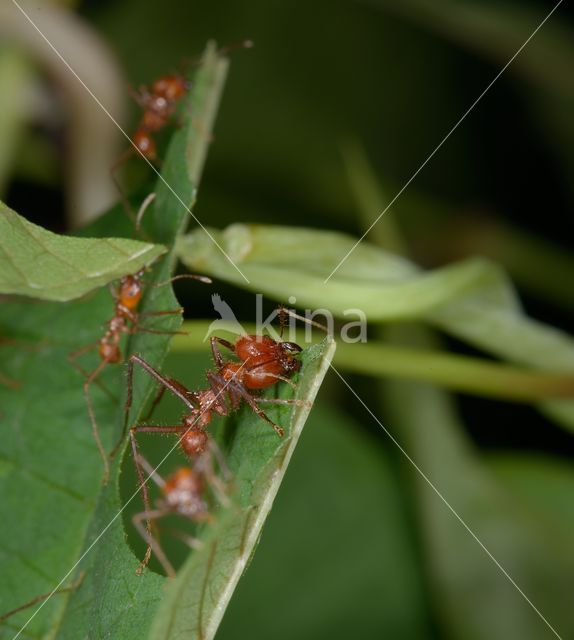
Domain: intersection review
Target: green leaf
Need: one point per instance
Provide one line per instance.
(196, 600)
(54, 507)
(472, 300)
(475, 598)
(41, 264)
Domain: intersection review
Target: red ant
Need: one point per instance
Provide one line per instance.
(183, 494)
(264, 362)
(125, 320)
(159, 103)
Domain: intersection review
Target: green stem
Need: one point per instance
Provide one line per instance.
(458, 373)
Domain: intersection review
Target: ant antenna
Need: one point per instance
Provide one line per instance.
(143, 208)
(152, 473)
(291, 313)
(185, 276)
(282, 315)
(242, 44)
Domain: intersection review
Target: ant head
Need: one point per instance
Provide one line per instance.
(289, 362)
(171, 87)
(291, 348)
(130, 291)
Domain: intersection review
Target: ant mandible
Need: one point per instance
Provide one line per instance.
(183, 493)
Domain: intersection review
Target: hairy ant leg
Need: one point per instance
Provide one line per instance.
(72, 357)
(92, 416)
(142, 522)
(237, 391)
(216, 353)
(182, 495)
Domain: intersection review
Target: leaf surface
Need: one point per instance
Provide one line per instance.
(472, 300)
(38, 263)
(58, 519)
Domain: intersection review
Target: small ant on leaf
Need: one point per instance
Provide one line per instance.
(125, 320)
(159, 102)
(184, 494)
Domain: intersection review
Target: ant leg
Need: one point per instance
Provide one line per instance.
(160, 333)
(171, 312)
(190, 541)
(221, 388)
(152, 544)
(238, 390)
(72, 360)
(45, 596)
(282, 313)
(204, 466)
(291, 313)
(141, 96)
(216, 353)
(174, 387)
(156, 401)
(255, 407)
(91, 413)
(220, 460)
(137, 457)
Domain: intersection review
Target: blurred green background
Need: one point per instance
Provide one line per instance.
(357, 544)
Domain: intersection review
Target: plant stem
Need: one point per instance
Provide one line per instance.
(475, 376)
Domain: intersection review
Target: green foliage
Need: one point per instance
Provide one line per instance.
(41, 264)
(49, 456)
(357, 545)
(472, 300)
